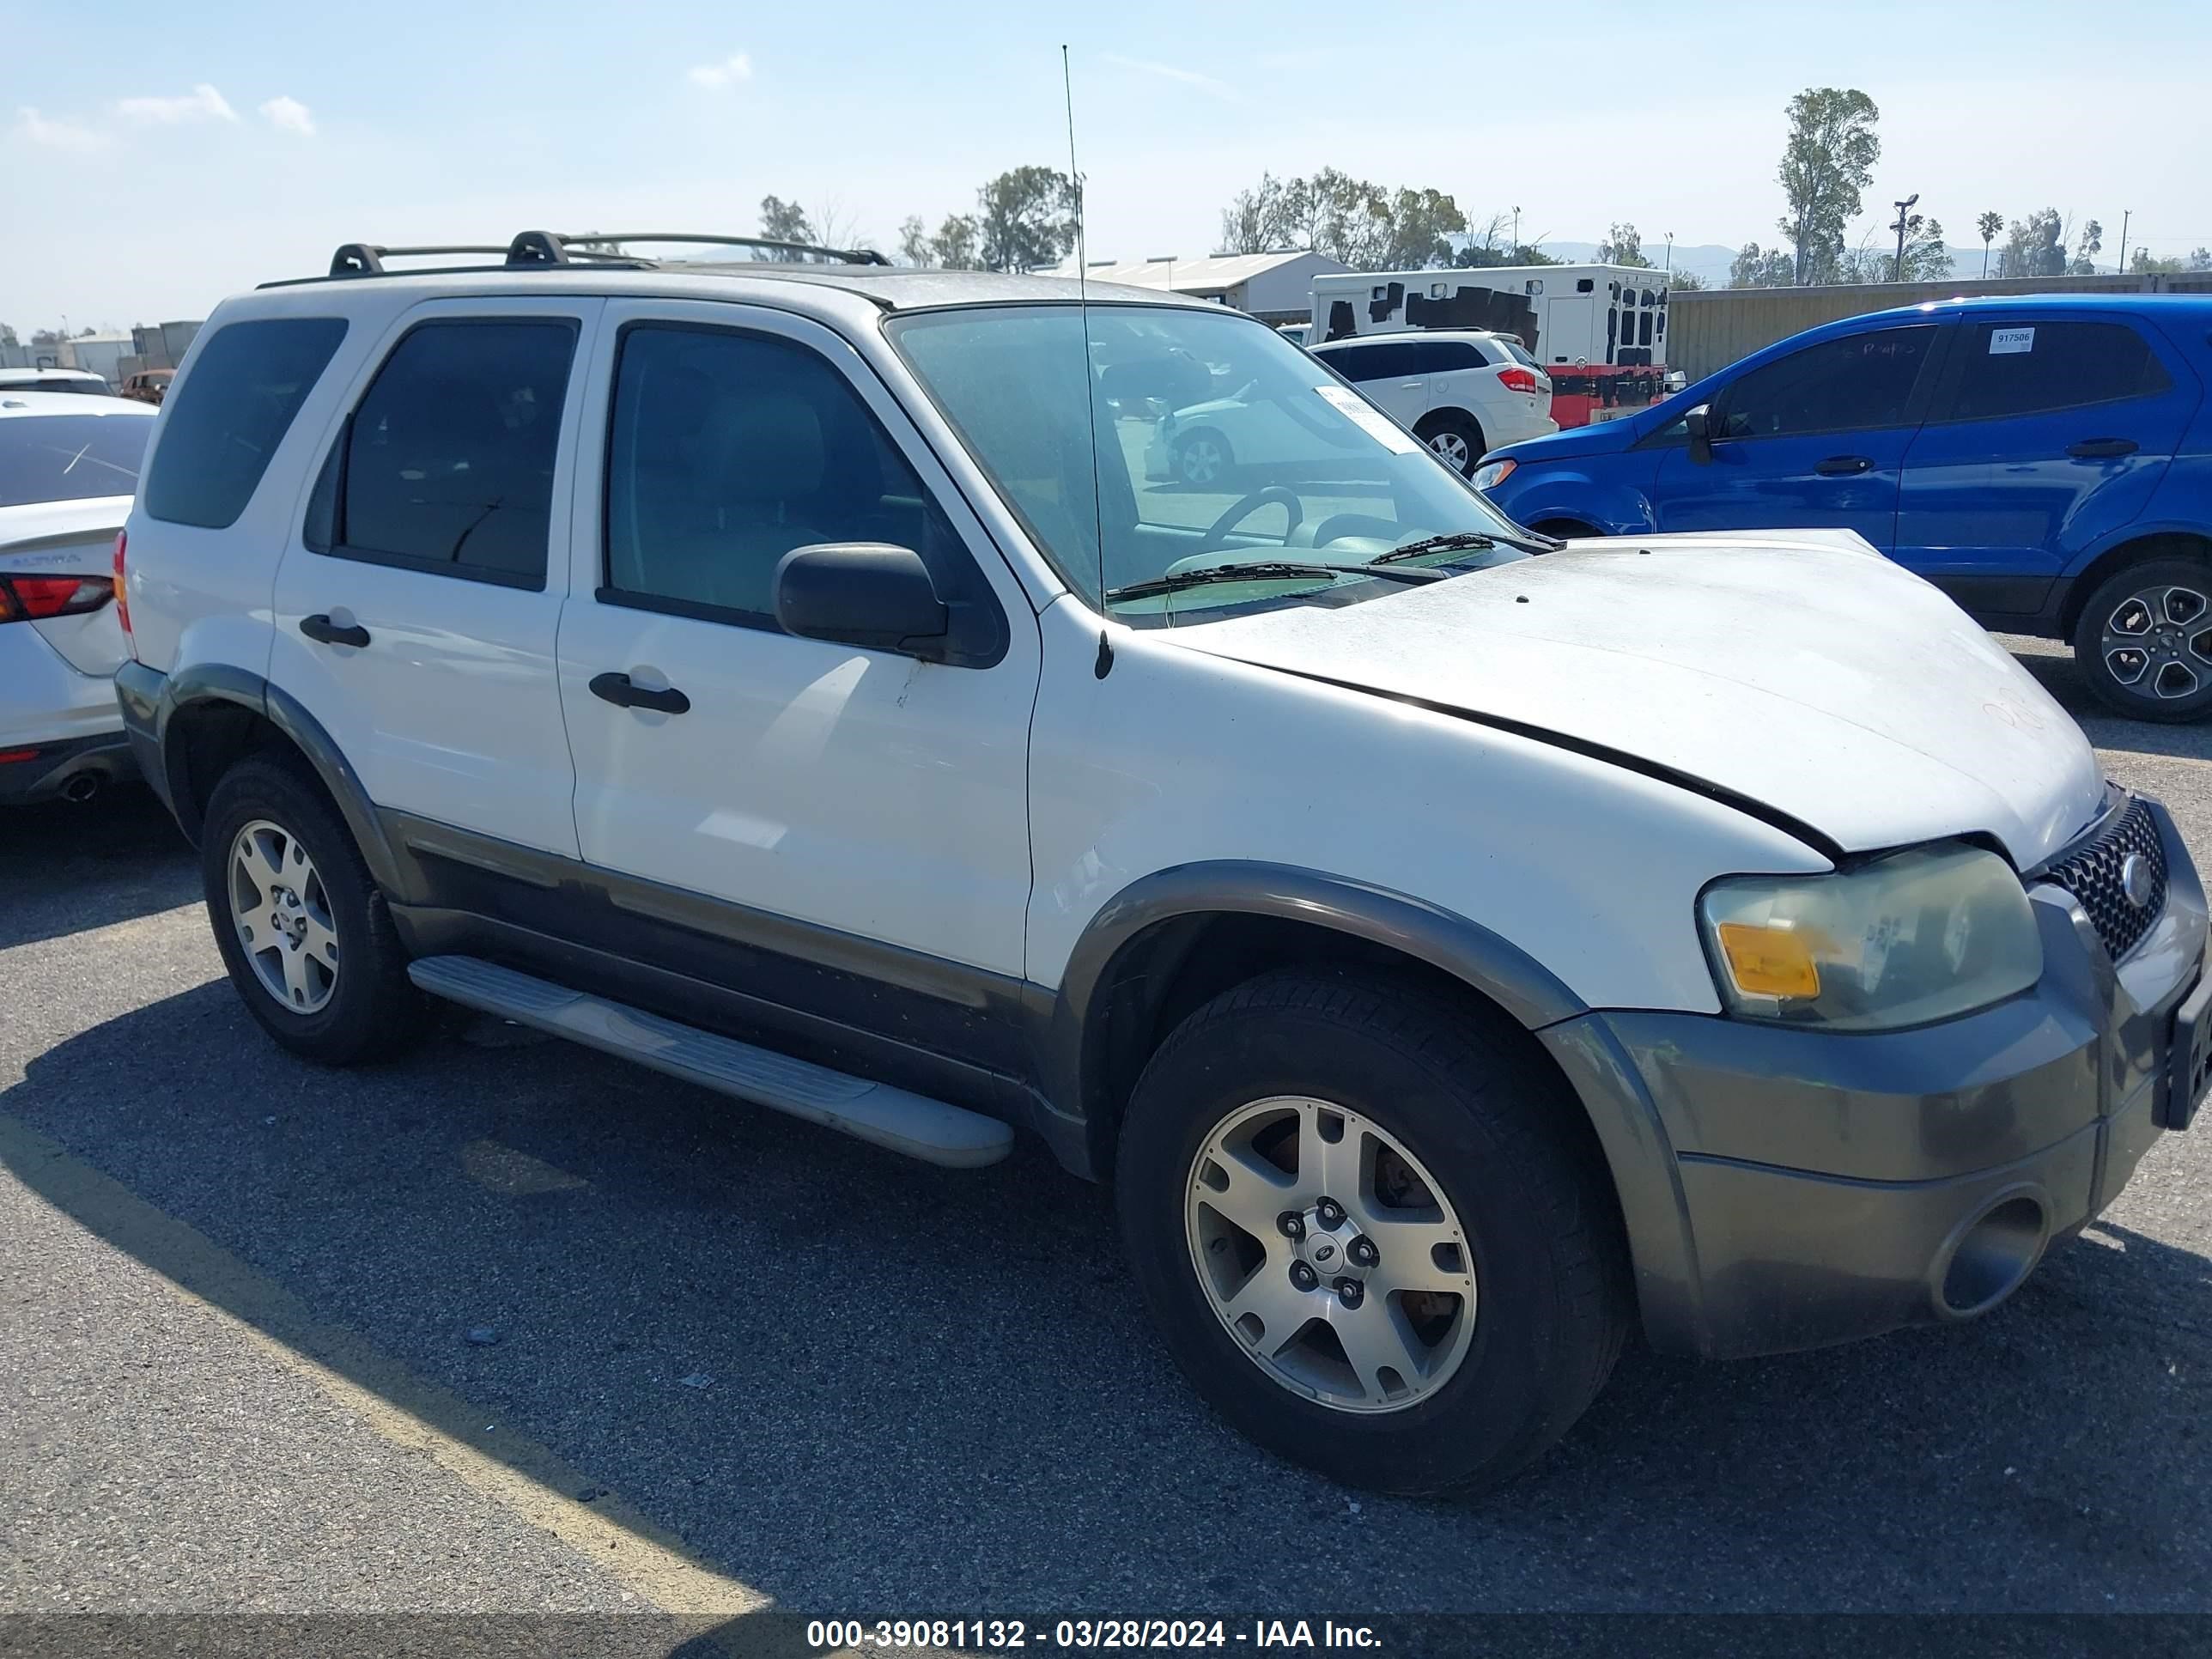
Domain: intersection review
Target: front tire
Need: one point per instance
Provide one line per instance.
(1473, 1297)
(301, 924)
(2144, 640)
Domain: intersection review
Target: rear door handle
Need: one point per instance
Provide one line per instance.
(1843, 466)
(321, 629)
(2102, 449)
(618, 690)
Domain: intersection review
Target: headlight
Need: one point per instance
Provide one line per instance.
(1914, 937)
(1491, 474)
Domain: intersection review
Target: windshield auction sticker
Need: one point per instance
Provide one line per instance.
(1368, 419)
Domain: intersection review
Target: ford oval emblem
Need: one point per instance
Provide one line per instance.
(2136, 880)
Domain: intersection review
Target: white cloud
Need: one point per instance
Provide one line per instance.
(58, 135)
(1205, 83)
(201, 103)
(288, 115)
(721, 76)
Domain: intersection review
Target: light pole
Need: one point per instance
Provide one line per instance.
(1903, 224)
(1517, 233)
(1670, 253)
(2126, 213)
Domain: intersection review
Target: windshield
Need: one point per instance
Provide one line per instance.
(70, 458)
(1219, 441)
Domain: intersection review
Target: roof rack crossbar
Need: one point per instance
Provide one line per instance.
(851, 256)
(367, 259)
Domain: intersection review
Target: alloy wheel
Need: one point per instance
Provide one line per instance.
(1201, 460)
(2158, 643)
(1329, 1255)
(281, 913)
(1452, 449)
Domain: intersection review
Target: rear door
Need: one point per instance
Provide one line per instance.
(416, 605)
(1812, 440)
(2047, 434)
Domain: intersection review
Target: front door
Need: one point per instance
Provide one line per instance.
(1812, 441)
(415, 605)
(874, 799)
(2047, 435)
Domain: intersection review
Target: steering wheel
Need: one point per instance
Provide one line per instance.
(1274, 495)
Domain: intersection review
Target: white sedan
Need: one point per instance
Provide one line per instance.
(68, 466)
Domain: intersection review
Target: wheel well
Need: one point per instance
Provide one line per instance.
(2166, 545)
(1167, 972)
(204, 740)
(1437, 417)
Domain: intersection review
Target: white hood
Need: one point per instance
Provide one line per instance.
(1799, 669)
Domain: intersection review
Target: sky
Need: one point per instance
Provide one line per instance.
(156, 157)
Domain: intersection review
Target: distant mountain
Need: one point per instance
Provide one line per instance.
(1704, 260)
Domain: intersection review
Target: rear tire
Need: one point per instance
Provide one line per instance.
(1456, 439)
(318, 964)
(1203, 459)
(2165, 603)
(1419, 1086)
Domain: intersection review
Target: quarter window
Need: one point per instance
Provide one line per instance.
(2024, 368)
(227, 416)
(727, 450)
(447, 464)
(1839, 386)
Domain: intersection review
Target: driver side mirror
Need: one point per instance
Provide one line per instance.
(1698, 422)
(870, 594)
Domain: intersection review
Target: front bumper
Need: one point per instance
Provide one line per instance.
(1786, 1188)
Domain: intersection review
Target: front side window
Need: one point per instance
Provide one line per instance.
(70, 458)
(1859, 381)
(1280, 462)
(2030, 369)
(225, 420)
(447, 464)
(727, 450)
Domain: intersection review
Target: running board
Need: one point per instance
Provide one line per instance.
(913, 1124)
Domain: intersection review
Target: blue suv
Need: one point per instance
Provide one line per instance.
(2045, 459)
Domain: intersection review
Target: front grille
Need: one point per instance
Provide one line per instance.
(2092, 873)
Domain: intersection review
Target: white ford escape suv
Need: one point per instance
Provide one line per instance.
(787, 676)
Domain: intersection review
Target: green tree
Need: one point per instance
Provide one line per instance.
(1684, 281)
(783, 222)
(1417, 230)
(1261, 218)
(2143, 265)
(2086, 251)
(1989, 224)
(1828, 163)
(957, 244)
(1927, 259)
(7, 335)
(1622, 247)
(2200, 259)
(2035, 246)
(1025, 217)
(1762, 267)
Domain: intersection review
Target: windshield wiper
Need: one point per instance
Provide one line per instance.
(1248, 570)
(1460, 539)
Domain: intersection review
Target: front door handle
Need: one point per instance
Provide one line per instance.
(321, 629)
(618, 690)
(1843, 466)
(2102, 449)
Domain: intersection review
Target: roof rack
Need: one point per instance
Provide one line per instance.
(538, 249)
(851, 256)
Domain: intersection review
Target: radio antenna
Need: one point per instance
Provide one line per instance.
(1090, 397)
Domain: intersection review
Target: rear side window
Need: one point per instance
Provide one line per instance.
(447, 464)
(227, 418)
(1859, 381)
(70, 458)
(2022, 368)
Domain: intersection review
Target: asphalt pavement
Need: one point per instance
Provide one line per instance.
(508, 1326)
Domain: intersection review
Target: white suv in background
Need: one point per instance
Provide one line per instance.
(1462, 391)
(68, 465)
(788, 677)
